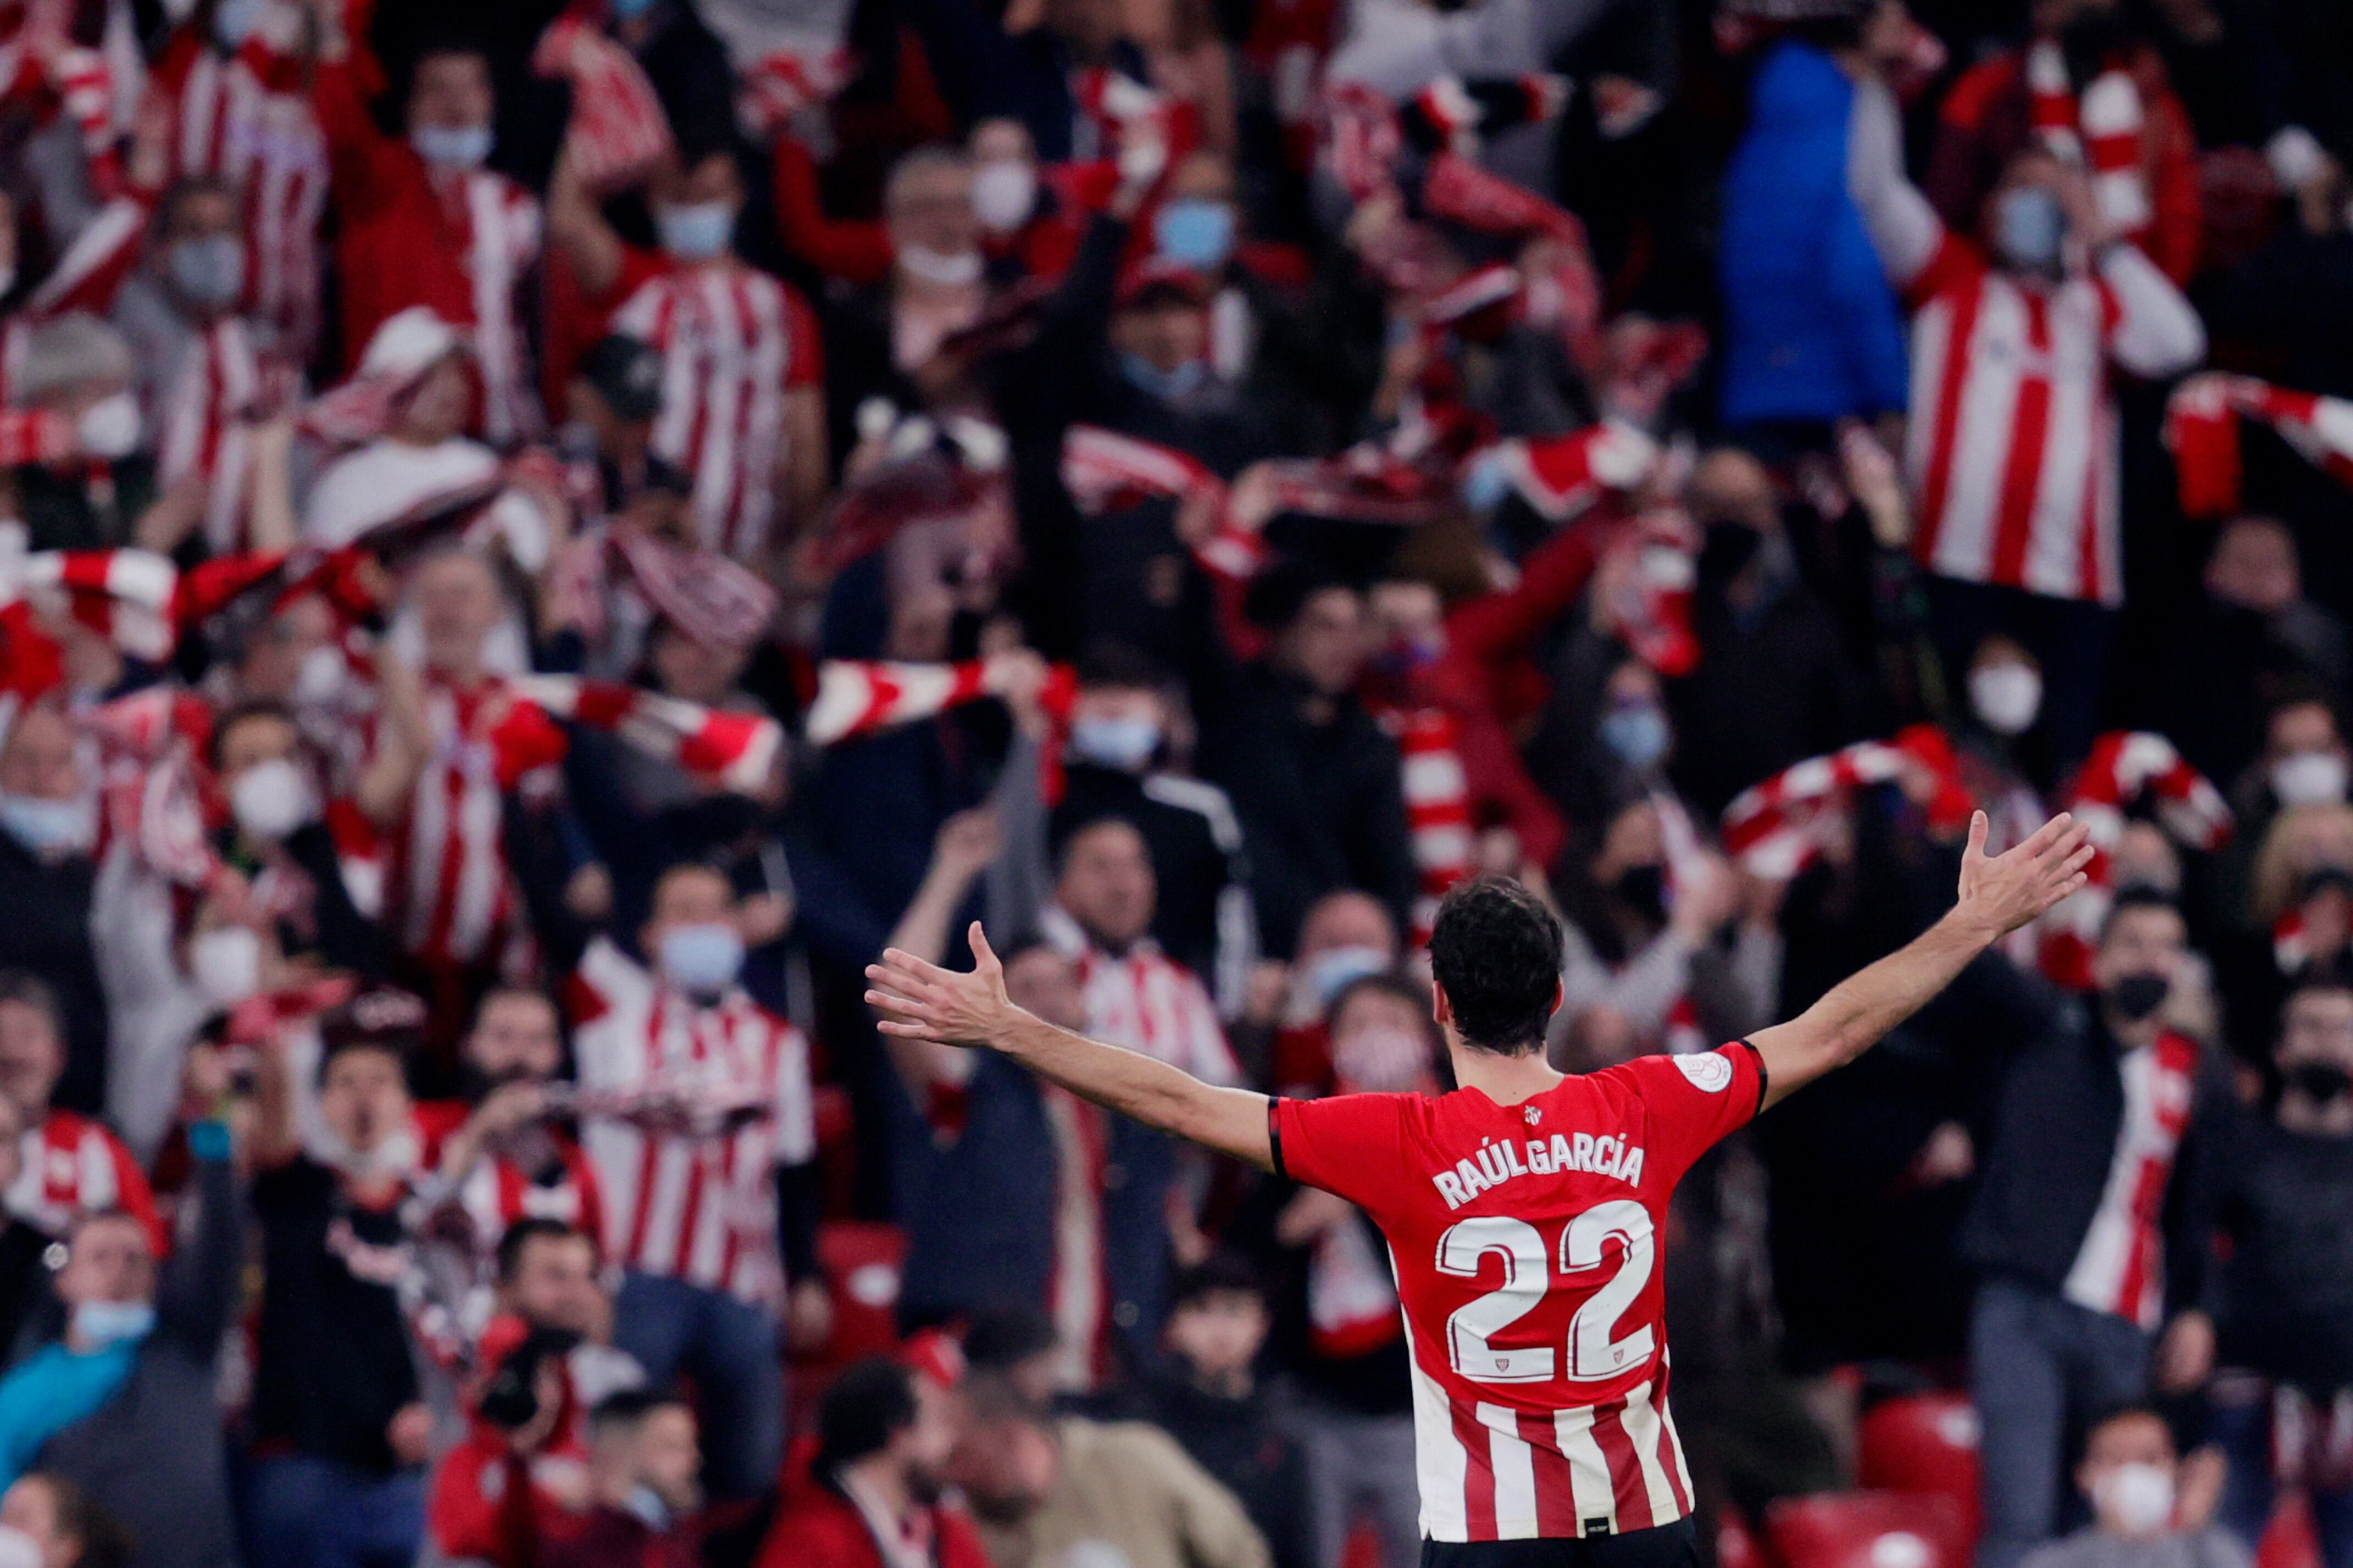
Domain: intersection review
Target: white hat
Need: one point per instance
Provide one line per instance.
(408, 343)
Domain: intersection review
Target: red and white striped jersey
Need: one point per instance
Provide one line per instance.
(496, 1193)
(696, 1207)
(1146, 1002)
(1437, 803)
(2011, 447)
(204, 429)
(231, 121)
(1525, 1242)
(74, 1167)
(2120, 1268)
(502, 232)
(734, 342)
(451, 895)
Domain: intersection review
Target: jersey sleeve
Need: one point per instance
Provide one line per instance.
(1349, 1144)
(1693, 1102)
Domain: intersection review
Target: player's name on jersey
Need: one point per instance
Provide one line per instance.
(1503, 1160)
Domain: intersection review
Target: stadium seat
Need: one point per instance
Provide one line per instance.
(837, 1145)
(863, 1259)
(1866, 1530)
(2289, 1542)
(1923, 1443)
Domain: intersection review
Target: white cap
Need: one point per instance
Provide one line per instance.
(410, 344)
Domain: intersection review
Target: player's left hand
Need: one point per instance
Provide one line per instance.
(921, 1001)
(2015, 888)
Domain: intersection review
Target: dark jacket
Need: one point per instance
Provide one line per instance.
(1197, 862)
(2056, 1121)
(2284, 1302)
(975, 1192)
(1239, 1444)
(1321, 805)
(46, 934)
(153, 1455)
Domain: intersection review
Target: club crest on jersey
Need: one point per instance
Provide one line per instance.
(1501, 1160)
(1709, 1072)
(1533, 1113)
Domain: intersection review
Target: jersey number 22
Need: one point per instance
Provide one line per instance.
(1593, 1353)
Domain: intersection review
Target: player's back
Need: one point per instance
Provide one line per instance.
(1525, 1241)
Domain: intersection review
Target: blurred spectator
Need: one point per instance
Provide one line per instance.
(741, 406)
(1005, 1182)
(1210, 1398)
(643, 1461)
(2148, 1506)
(1812, 332)
(2284, 1320)
(706, 1090)
(2089, 54)
(2258, 635)
(1314, 780)
(48, 830)
(1123, 739)
(424, 223)
(81, 369)
(1039, 1486)
(122, 1406)
(2092, 1223)
(2017, 500)
(69, 1163)
(336, 1398)
(276, 839)
(1745, 712)
(24, 1267)
(870, 1495)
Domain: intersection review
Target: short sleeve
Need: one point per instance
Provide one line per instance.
(1693, 1102)
(1348, 1144)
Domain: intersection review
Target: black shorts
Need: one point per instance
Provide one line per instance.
(1672, 1545)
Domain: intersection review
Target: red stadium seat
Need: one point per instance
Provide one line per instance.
(1923, 1443)
(1866, 1530)
(837, 1152)
(863, 1259)
(2289, 1542)
(1735, 1543)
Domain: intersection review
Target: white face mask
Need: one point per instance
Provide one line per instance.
(109, 429)
(271, 799)
(319, 678)
(1003, 192)
(2136, 1500)
(398, 1155)
(1381, 1060)
(944, 270)
(226, 964)
(2006, 697)
(2305, 778)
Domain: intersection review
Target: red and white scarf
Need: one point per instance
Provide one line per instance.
(1105, 471)
(618, 129)
(1775, 828)
(124, 595)
(2201, 428)
(734, 751)
(1437, 792)
(2100, 131)
(2126, 768)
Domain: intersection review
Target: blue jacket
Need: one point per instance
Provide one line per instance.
(1812, 329)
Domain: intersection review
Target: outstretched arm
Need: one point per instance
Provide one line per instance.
(1997, 897)
(921, 1001)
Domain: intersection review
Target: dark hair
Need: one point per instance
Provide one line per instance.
(871, 1400)
(184, 189)
(1277, 595)
(257, 708)
(26, 989)
(2134, 896)
(105, 1544)
(1495, 950)
(1388, 982)
(1005, 1336)
(1121, 667)
(522, 1232)
(1220, 1273)
(629, 1406)
(2107, 1415)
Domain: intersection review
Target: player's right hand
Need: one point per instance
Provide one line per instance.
(921, 1001)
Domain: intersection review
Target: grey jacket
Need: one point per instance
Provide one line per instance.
(152, 1455)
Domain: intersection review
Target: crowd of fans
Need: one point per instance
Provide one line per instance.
(540, 539)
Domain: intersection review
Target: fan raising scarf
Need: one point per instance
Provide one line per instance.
(2098, 131)
(2126, 767)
